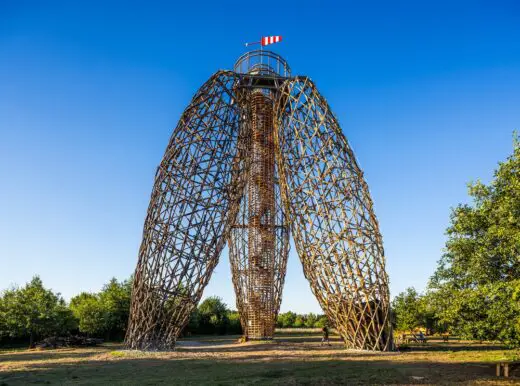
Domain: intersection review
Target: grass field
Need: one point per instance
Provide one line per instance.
(289, 360)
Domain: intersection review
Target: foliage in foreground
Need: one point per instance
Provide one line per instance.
(475, 291)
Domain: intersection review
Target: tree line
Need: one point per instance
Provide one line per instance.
(475, 290)
(33, 312)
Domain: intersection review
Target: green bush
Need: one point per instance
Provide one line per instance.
(33, 312)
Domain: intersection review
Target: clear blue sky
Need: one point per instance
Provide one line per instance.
(427, 94)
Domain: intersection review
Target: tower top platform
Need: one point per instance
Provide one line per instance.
(262, 62)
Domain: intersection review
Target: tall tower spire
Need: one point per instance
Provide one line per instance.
(259, 240)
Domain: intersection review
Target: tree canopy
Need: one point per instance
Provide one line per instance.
(105, 313)
(476, 286)
(33, 311)
(484, 237)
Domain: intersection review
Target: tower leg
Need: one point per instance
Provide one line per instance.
(336, 232)
(193, 205)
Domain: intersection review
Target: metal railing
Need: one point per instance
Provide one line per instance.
(261, 62)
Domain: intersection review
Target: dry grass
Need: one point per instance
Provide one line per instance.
(291, 359)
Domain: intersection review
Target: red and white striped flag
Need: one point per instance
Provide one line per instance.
(266, 40)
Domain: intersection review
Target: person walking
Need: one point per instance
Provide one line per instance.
(325, 338)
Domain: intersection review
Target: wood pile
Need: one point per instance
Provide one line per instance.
(69, 341)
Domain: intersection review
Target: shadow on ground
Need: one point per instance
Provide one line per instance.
(226, 372)
(221, 361)
(46, 355)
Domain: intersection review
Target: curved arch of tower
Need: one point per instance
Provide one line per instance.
(256, 155)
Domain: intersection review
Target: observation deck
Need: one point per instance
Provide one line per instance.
(262, 69)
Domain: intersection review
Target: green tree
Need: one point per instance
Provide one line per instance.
(63, 321)
(299, 321)
(115, 301)
(10, 321)
(322, 322)
(213, 317)
(194, 322)
(34, 312)
(487, 312)
(473, 287)
(234, 322)
(287, 319)
(213, 305)
(310, 320)
(408, 310)
(91, 314)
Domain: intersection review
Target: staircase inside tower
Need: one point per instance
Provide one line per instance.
(259, 239)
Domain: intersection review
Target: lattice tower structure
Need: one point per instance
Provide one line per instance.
(256, 153)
